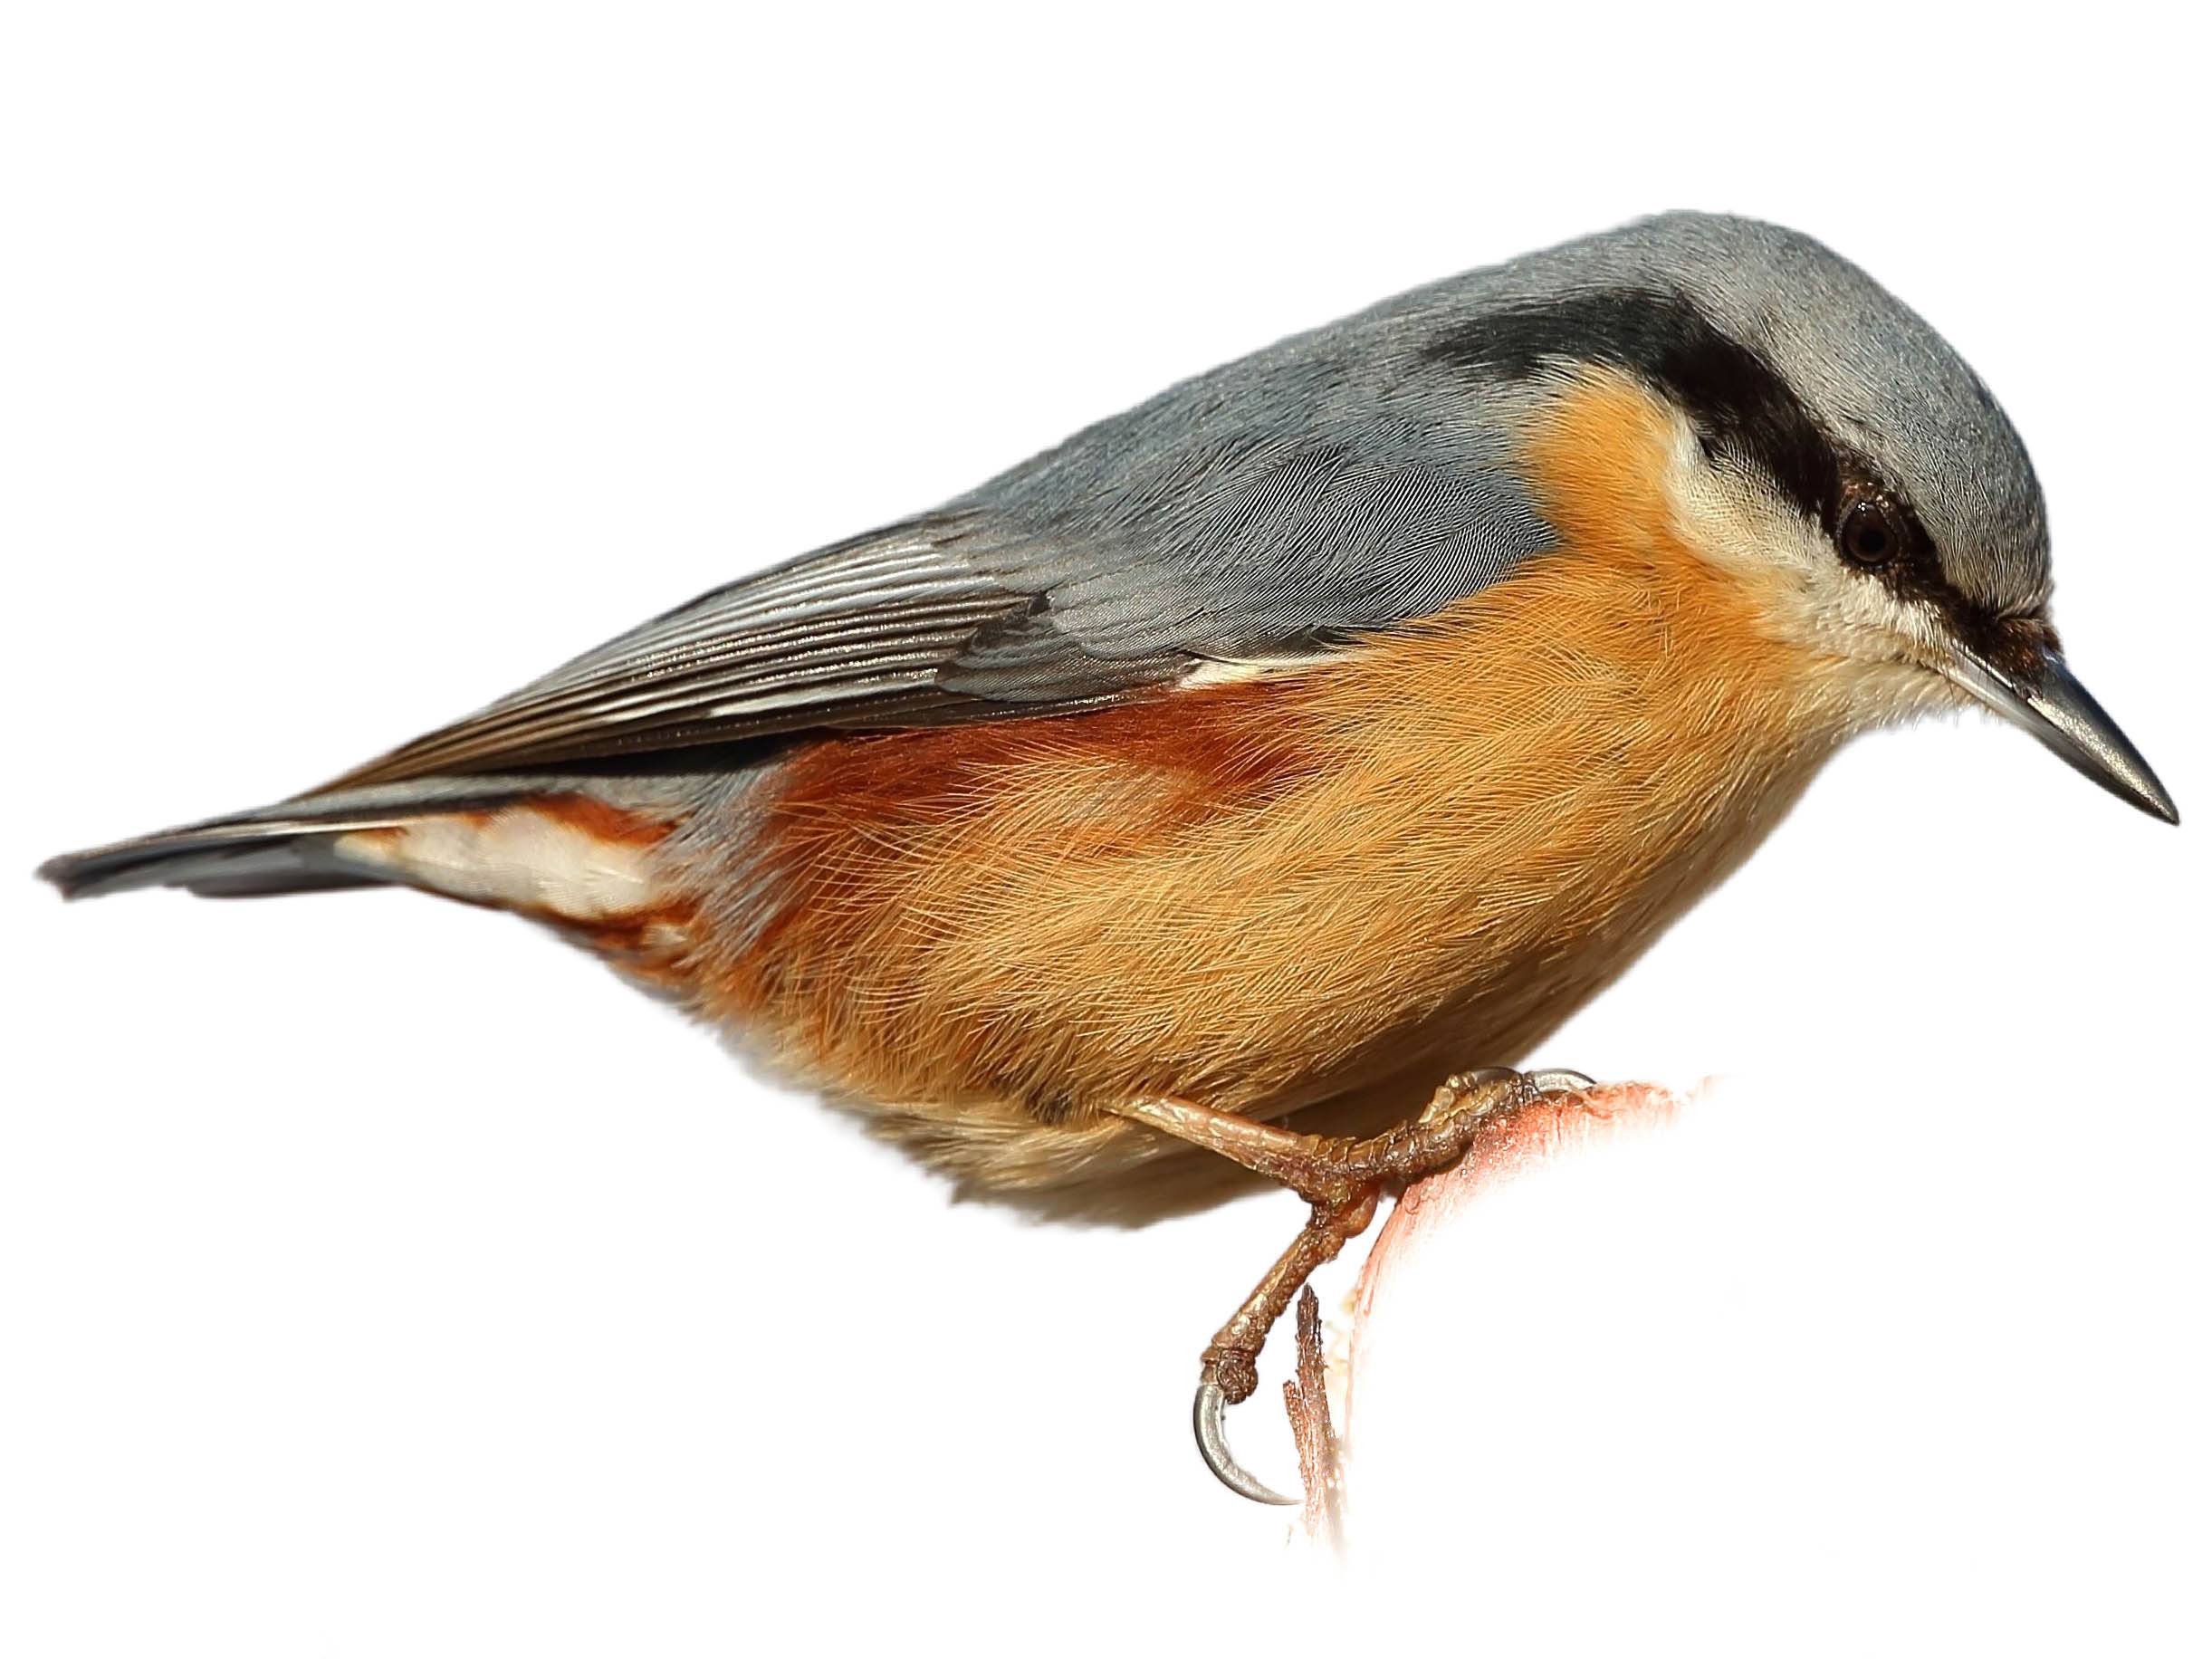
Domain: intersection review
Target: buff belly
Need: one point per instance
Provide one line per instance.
(1305, 895)
(1311, 894)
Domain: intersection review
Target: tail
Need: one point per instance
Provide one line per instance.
(346, 840)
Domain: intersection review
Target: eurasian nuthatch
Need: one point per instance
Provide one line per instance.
(1338, 719)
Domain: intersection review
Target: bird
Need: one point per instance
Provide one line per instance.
(1178, 805)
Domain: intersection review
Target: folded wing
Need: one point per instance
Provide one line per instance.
(1104, 568)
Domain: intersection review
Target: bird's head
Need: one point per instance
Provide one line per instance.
(1828, 443)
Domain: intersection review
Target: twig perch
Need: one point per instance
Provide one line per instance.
(1307, 1400)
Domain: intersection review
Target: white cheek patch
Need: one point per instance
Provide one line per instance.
(1741, 524)
(516, 856)
(1810, 596)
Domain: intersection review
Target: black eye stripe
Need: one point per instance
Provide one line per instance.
(1739, 403)
(1734, 394)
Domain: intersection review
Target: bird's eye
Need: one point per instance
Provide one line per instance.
(1869, 531)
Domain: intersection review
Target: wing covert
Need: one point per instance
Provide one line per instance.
(1211, 524)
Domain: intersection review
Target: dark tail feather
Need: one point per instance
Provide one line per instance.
(291, 848)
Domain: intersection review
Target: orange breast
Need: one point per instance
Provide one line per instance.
(1264, 894)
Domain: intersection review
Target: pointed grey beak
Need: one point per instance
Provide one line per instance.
(2049, 704)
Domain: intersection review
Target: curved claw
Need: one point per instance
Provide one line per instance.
(1206, 1413)
(1558, 1080)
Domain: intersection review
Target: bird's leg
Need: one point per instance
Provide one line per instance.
(1342, 1178)
(1231, 1360)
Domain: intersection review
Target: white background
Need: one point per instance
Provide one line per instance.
(377, 1277)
